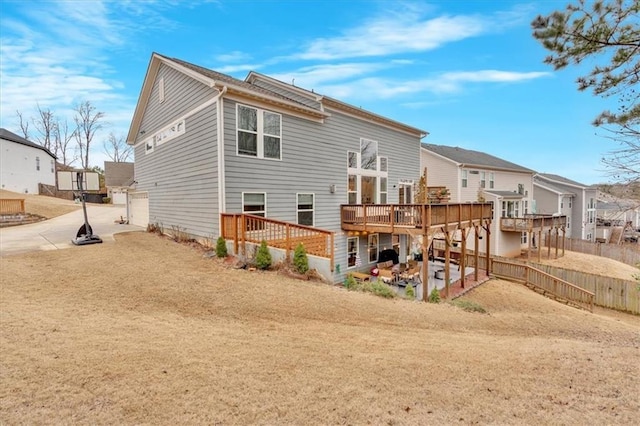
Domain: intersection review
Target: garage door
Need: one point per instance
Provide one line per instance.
(119, 197)
(139, 208)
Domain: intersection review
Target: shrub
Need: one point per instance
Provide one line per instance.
(468, 306)
(434, 296)
(221, 247)
(409, 293)
(106, 200)
(263, 256)
(300, 260)
(350, 282)
(379, 288)
(155, 228)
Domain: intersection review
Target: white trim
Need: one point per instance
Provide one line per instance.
(190, 113)
(256, 192)
(377, 247)
(260, 134)
(275, 108)
(355, 265)
(222, 196)
(313, 208)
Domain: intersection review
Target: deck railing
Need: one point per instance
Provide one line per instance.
(361, 217)
(242, 228)
(532, 222)
(12, 206)
(540, 280)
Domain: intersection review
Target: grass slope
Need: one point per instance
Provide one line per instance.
(147, 331)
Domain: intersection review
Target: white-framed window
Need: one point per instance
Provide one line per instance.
(383, 190)
(367, 174)
(305, 209)
(254, 203)
(259, 133)
(510, 209)
(161, 90)
(465, 178)
(368, 154)
(523, 238)
(491, 180)
(352, 189)
(483, 179)
(37, 163)
(372, 248)
(352, 252)
(526, 206)
(562, 203)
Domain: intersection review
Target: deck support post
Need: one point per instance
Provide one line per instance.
(476, 251)
(463, 256)
(487, 228)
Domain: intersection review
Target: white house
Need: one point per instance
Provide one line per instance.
(472, 176)
(24, 164)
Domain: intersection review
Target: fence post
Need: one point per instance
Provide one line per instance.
(287, 242)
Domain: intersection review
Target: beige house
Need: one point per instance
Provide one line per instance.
(473, 176)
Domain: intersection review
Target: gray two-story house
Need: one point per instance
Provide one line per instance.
(558, 195)
(209, 148)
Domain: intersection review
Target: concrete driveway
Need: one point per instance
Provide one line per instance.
(58, 232)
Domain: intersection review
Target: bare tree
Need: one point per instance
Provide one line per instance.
(45, 125)
(87, 121)
(117, 149)
(63, 137)
(24, 125)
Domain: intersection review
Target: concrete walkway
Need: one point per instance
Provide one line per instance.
(58, 232)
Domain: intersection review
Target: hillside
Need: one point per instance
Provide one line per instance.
(169, 336)
(41, 205)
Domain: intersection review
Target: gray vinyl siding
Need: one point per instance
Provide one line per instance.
(181, 175)
(289, 94)
(314, 156)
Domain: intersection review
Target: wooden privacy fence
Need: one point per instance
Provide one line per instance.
(549, 285)
(614, 293)
(625, 253)
(243, 228)
(11, 206)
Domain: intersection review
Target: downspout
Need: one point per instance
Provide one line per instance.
(221, 172)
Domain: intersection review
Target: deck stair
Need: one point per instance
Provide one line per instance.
(543, 283)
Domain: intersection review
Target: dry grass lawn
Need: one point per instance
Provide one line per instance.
(147, 331)
(592, 264)
(41, 205)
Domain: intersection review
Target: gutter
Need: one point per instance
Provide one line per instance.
(220, 136)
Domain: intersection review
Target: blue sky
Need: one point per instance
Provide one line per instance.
(468, 72)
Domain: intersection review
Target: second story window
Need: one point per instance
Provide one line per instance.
(491, 180)
(259, 133)
(465, 178)
(483, 180)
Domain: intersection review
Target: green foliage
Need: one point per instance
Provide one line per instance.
(379, 288)
(434, 296)
(605, 34)
(106, 200)
(221, 247)
(409, 292)
(350, 283)
(263, 256)
(300, 259)
(468, 306)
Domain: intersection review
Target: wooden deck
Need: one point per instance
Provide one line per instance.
(532, 223)
(413, 219)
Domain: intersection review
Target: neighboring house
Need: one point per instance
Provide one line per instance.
(24, 164)
(207, 144)
(473, 176)
(118, 178)
(558, 195)
(617, 219)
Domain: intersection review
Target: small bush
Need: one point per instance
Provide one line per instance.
(106, 200)
(379, 288)
(263, 256)
(300, 260)
(409, 292)
(434, 296)
(221, 247)
(350, 282)
(180, 234)
(155, 228)
(468, 306)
